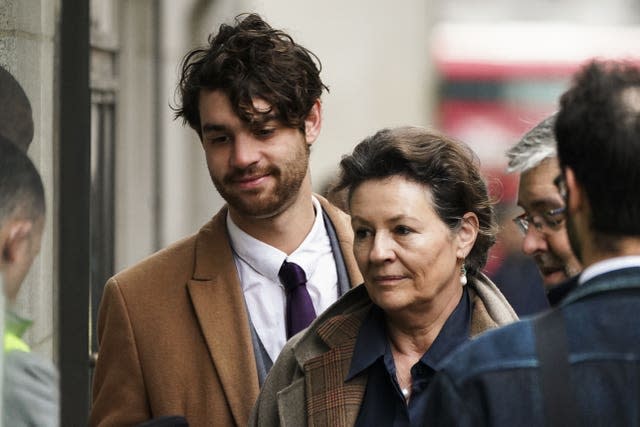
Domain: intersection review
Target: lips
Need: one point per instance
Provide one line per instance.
(387, 279)
(547, 263)
(550, 270)
(250, 181)
(246, 180)
(552, 275)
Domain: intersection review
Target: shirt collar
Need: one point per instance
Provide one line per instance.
(454, 332)
(608, 265)
(372, 342)
(267, 260)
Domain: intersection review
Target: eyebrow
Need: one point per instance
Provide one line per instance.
(388, 220)
(262, 119)
(547, 202)
(211, 127)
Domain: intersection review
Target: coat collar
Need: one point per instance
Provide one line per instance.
(219, 305)
(324, 355)
(342, 226)
(625, 278)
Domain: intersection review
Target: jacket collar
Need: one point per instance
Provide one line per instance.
(333, 327)
(15, 324)
(14, 328)
(344, 233)
(329, 399)
(323, 353)
(219, 305)
(626, 278)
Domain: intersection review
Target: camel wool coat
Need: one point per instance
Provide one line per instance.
(174, 334)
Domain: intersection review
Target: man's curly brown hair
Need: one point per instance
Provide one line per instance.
(252, 60)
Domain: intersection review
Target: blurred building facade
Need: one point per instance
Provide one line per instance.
(148, 180)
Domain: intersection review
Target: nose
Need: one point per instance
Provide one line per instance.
(381, 249)
(245, 151)
(534, 241)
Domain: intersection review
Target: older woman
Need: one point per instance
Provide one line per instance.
(423, 224)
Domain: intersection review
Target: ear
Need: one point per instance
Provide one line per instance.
(467, 234)
(576, 198)
(16, 241)
(313, 122)
(16, 255)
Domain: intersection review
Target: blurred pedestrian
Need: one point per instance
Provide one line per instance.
(30, 388)
(577, 364)
(516, 275)
(543, 222)
(16, 120)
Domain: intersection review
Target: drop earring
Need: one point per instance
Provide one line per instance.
(463, 275)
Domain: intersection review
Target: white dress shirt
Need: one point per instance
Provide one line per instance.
(608, 265)
(258, 265)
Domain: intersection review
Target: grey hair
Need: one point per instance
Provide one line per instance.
(535, 146)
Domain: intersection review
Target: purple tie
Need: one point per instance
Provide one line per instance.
(300, 310)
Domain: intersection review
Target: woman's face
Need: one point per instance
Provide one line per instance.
(409, 257)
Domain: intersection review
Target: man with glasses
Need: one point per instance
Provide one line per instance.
(543, 222)
(577, 364)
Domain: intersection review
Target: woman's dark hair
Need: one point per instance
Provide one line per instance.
(448, 167)
(252, 60)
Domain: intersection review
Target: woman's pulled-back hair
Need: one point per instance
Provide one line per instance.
(448, 167)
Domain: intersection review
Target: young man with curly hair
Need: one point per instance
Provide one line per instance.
(193, 329)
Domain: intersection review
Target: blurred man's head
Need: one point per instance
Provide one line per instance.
(22, 209)
(543, 220)
(16, 122)
(598, 133)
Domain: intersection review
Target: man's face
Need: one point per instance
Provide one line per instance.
(549, 247)
(257, 170)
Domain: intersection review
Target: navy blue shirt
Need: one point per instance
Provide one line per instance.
(383, 403)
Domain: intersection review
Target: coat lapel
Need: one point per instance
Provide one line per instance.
(342, 225)
(330, 400)
(290, 406)
(218, 301)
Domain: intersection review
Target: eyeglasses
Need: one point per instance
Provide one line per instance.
(545, 222)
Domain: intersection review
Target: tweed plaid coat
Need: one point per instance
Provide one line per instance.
(306, 384)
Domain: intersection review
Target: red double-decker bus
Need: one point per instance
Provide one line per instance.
(497, 81)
